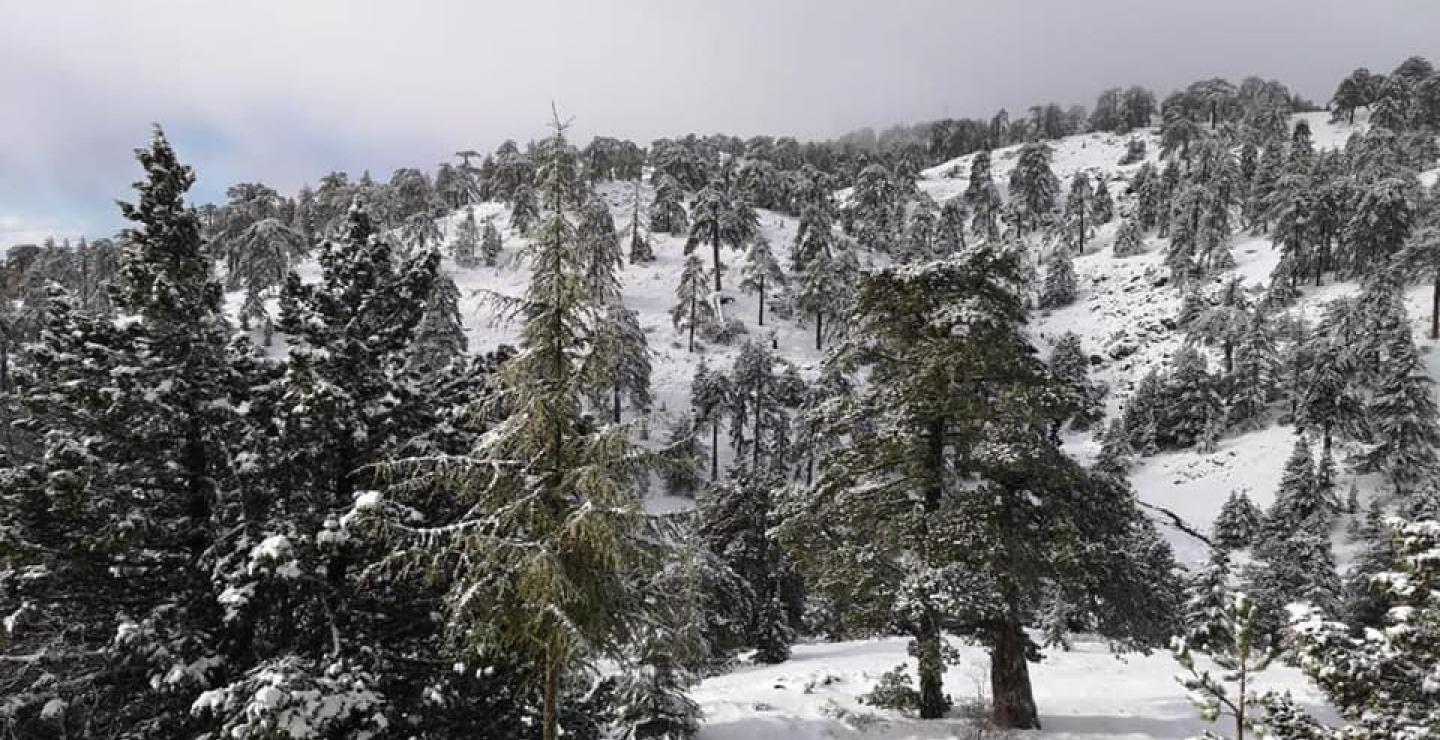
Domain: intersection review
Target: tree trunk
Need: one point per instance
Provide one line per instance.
(819, 322)
(715, 450)
(692, 321)
(617, 404)
(550, 712)
(931, 667)
(762, 300)
(1434, 320)
(1014, 702)
(715, 248)
(1080, 240)
(756, 431)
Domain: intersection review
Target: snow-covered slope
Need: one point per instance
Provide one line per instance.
(1122, 316)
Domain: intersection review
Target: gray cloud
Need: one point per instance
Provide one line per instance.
(283, 91)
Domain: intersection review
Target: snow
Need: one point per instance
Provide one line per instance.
(1086, 694)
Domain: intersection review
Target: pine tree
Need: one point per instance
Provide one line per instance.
(1379, 678)
(1034, 189)
(116, 518)
(640, 249)
(950, 230)
(874, 212)
(524, 210)
(736, 521)
(1401, 412)
(490, 244)
(823, 286)
(1238, 524)
(600, 251)
(761, 269)
(667, 211)
(709, 397)
(1060, 282)
(548, 533)
(718, 217)
(945, 408)
(1129, 241)
(440, 335)
(1102, 205)
(1207, 595)
(1243, 655)
(983, 197)
(922, 238)
(467, 241)
(1078, 211)
(1071, 367)
(621, 348)
(1299, 502)
(758, 402)
(1255, 376)
(692, 299)
(1193, 413)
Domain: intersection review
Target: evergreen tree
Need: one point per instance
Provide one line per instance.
(490, 244)
(1299, 502)
(950, 231)
(1255, 376)
(949, 403)
(600, 251)
(761, 269)
(624, 353)
(467, 241)
(824, 285)
(1102, 205)
(1034, 189)
(538, 559)
(440, 336)
(640, 249)
(736, 522)
(983, 197)
(718, 218)
(667, 211)
(1382, 220)
(692, 299)
(524, 210)
(1079, 208)
(1401, 412)
(114, 523)
(1193, 413)
(1243, 653)
(758, 402)
(875, 211)
(710, 394)
(1379, 679)
(1071, 367)
(1129, 241)
(922, 237)
(1239, 522)
(1207, 595)
(1060, 282)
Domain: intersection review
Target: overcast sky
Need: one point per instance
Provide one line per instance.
(286, 90)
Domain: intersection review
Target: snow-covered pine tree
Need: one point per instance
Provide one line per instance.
(983, 197)
(641, 251)
(692, 307)
(1193, 413)
(117, 519)
(667, 211)
(622, 348)
(950, 230)
(709, 397)
(758, 401)
(823, 287)
(1380, 679)
(1299, 501)
(1034, 189)
(1239, 522)
(549, 529)
(1246, 653)
(1102, 206)
(466, 244)
(440, 335)
(490, 244)
(1072, 368)
(1079, 208)
(600, 251)
(1207, 595)
(1061, 285)
(916, 426)
(524, 210)
(1129, 240)
(1401, 415)
(761, 271)
(1253, 383)
(873, 213)
(922, 238)
(736, 519)
(718, 217)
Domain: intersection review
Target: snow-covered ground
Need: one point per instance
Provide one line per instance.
(1088, 693)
